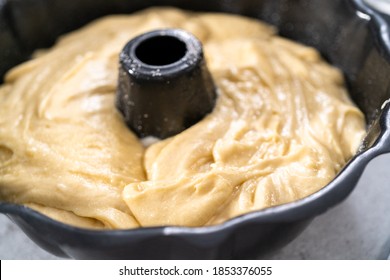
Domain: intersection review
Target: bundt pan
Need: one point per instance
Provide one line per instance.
(348, 33)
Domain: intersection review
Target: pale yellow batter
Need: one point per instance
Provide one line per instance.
(282, 128)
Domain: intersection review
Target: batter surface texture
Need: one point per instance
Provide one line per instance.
(282, 128)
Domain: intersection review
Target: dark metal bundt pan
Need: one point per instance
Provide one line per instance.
(347, 32)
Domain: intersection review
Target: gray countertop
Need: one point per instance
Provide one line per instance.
(358, 228)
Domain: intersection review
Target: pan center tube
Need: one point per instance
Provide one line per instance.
(164, 84)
